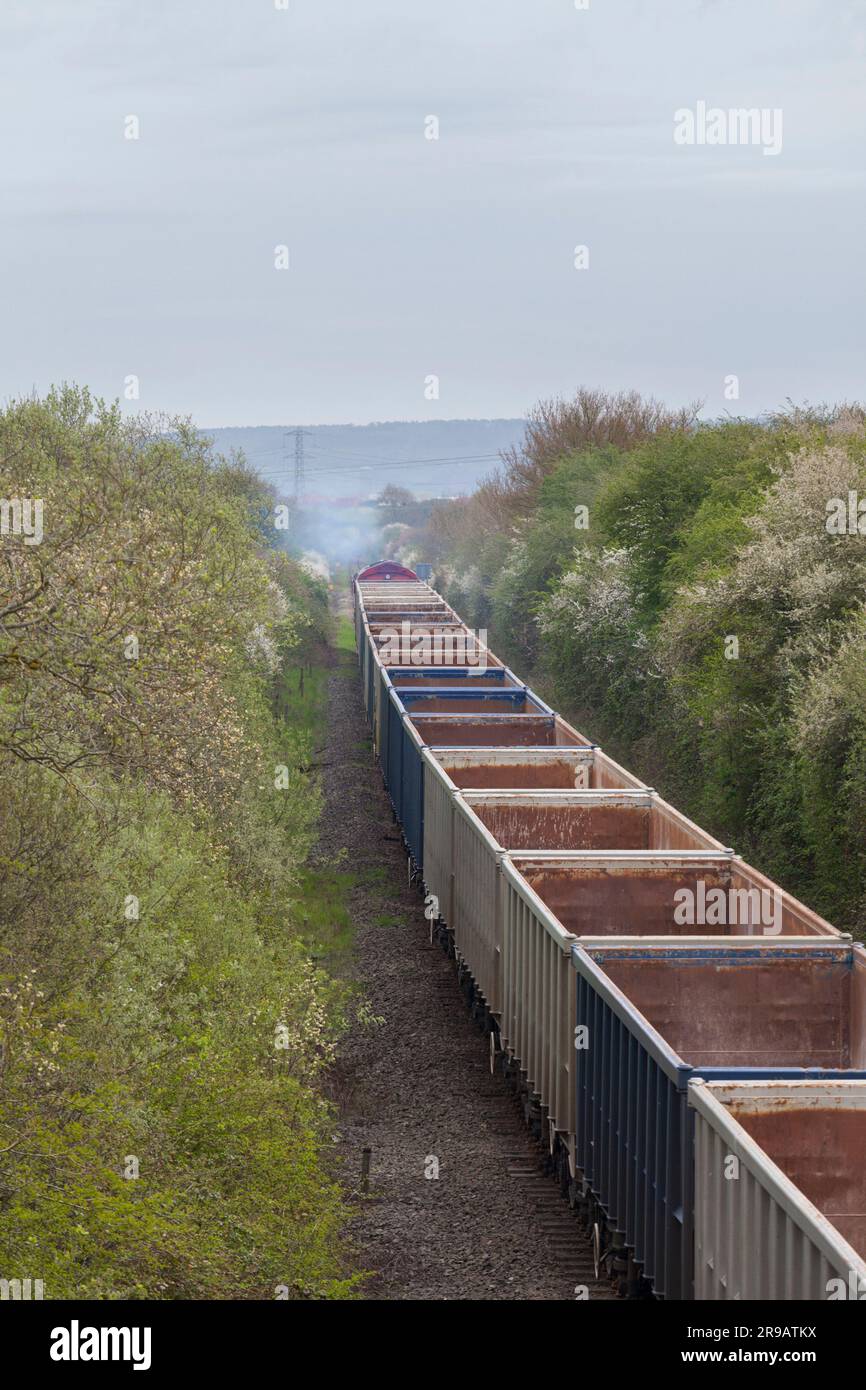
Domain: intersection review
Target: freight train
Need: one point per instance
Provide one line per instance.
(688, 1039)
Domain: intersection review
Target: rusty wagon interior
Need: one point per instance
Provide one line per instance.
(440, 644)
(436, 643)
(415, 622)
(821, 1148)
(631, 820)
(558, 771)
(775, 1008)
(631, 899)
(429, 617)
(415, 608)
(496, 731)
(541, 770)
(493, 700)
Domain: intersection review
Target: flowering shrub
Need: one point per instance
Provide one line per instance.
(153, 1143)
(595, 646)
(707, 627)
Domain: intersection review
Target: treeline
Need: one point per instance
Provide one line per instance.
(692, 595)
(163, 1033)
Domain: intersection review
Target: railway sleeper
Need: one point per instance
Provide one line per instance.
(615, 1263)
(613, 1259)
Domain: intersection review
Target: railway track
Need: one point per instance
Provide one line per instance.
(493, 1225)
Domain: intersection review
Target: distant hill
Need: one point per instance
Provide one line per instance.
(433, 458)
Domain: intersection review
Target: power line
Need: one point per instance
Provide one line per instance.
(328, 449)
(374, 459)
(388, 463)
(414, 463)
(299, 461)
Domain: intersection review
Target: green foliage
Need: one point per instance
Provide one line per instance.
(677, 502)
(707, 628)
(543, 550)
(165, 1027)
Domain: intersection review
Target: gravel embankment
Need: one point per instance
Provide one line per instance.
(419, 1087)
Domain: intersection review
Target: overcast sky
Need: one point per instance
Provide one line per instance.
(411, 257)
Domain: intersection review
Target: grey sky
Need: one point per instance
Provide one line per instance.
(412, 257)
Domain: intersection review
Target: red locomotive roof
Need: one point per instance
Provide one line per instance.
(386, 569)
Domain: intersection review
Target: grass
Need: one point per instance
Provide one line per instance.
(385, 919)
(376, 876)
(302, 698)
(321, 912)
(345, 637)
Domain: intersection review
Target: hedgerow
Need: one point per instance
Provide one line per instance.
(164, 1131)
